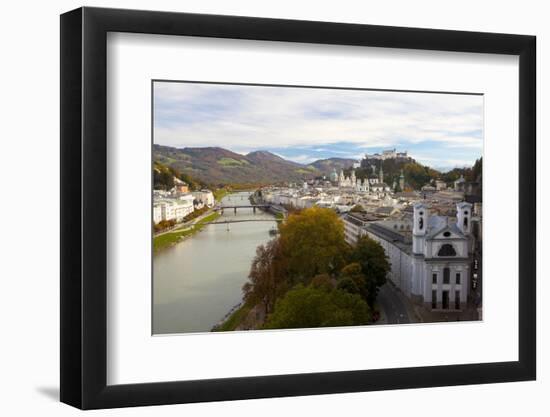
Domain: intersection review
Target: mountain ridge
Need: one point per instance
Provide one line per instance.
(217, 165)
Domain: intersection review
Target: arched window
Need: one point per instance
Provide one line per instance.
(421, 223)
(465, 222)
(446, 250)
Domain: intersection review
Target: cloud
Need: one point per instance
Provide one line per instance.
(342, 122)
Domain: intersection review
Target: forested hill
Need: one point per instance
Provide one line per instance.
(220, 166)
(416, 175)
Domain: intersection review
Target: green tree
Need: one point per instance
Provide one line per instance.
(374, 266)
(313, 243)
(418, 175)
(475, 173)
(353, 280)
(348, 285)
(304, 307)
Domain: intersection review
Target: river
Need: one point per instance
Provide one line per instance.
(197, 281)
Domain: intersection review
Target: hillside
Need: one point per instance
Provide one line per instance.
(216, 167)
(219, 166)
(326, 166)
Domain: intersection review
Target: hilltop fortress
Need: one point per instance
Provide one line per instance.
(388, 154)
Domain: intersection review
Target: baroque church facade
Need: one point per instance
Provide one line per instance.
(376, 185)
(430, 258)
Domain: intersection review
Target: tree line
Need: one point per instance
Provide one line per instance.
(163, 178)
(416, 175)
(310, 277)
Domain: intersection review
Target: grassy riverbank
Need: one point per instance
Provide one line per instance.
(171, 238)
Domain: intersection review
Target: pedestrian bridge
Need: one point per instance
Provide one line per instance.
(253, 207)
(244, 221)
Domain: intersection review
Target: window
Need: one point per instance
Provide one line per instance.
(434, 299)
(447, 234)
(458, 277)
(446, 275)
(420, 223)
(446, 250)
(457, 300)
(434, 278)
(445, 300)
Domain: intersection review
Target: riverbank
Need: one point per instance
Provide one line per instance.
(233, 318)
(168, 239)
(198, 283)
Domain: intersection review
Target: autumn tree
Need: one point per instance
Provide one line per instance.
(322, 281)
(374, 266)
(353, 280)
(267, 277)
(313, 243)
(304, 307)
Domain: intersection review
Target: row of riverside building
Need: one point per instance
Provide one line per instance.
(176, 205)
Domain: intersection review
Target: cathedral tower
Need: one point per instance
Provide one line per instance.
(420, 226)
(463, 217)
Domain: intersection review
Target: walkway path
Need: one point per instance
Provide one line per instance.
(182, 226)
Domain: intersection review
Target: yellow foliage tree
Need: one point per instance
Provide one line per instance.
(313, 243)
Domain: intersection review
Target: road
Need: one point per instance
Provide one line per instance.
(391, 304)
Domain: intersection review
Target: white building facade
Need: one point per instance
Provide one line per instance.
(173, 209)
(430, 258)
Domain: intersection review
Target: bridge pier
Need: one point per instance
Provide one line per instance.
(235, 210)
(254, 209)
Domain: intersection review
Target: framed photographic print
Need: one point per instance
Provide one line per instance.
(258, 207)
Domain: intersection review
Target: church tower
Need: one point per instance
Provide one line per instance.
(420, 227)
(463, 217)
(353, 177)
(341, 179)
(402, 181)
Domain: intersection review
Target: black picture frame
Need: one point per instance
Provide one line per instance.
(84, 207)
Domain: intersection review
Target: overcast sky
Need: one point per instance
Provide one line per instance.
(306, 124)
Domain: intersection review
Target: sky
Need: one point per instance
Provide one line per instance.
(442, 131)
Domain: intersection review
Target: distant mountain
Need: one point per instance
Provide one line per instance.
(326, 166)
(218, 166)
